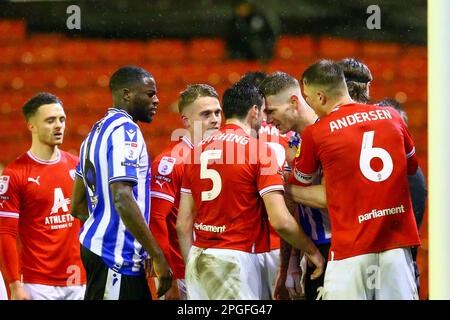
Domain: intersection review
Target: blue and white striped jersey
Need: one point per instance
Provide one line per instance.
(114, 151)
(315, 222)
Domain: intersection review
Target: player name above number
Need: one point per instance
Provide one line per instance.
(359, 117)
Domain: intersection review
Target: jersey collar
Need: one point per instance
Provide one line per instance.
(34, 158)
(116, 110)
(187, 141)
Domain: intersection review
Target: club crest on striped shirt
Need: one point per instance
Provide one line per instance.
(131, 150)
(166, 165)
(4, 183)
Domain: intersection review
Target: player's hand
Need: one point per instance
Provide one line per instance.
(173, 293)
(162, 271)
(280, 292)
(18, 292)
(295, 278)
(316, 259)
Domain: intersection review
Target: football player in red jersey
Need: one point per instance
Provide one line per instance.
(366, 153)
(35, 192)
(230, 223)
(287, 110)
(200, 112)
(270, 261)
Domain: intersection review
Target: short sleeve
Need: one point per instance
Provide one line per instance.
(124, 148)
(306, 164)
(166, 178)
(9, 194)
(270, 174)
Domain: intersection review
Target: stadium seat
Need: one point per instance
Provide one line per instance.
(12, 31)
(337, 48)
(206, 49)
(380, 49)
(294, 47)
(165, 50)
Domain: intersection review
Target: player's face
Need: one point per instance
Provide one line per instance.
(48, 124)
(278, 113)
(260, 116)
(144, 101)
(204, 113)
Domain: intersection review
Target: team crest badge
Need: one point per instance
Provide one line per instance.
(131, 150)
(166, 165)
(4, 183)
(72, 174)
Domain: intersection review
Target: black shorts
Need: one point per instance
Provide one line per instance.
(313, 288)
(106, 284)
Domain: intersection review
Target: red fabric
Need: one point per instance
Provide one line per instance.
(345, 143)
(228, 190)
(37, 194)
(9, 257)
(167, 174)
(271, 135)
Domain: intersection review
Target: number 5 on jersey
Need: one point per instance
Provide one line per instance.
(212, 174)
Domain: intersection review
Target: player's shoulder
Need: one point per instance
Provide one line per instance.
(17, 169)
(69, 156)
(19, 163)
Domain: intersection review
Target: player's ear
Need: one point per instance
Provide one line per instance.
(322, 97)
(186, 121)
(255, 111)
(31, 126)
(126, 94)
(294, 102)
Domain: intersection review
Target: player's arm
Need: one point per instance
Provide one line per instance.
(286, 226)
(160, 209)
(128, 209)
(79, 207)
(185, 223)
(9, 258)
(311, 196)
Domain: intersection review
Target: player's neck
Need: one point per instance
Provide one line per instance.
(307, 118)
(247, 129)
(343, 100)
(44, 152)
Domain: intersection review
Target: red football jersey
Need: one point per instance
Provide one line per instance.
(228, 175)
(38, 194)
(364, 152)
(167, 175)
(278, 142)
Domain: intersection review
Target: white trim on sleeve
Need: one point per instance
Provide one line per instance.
(411, 153)
(268, 189)
(7, 214)
(163, 196)
(184, 190)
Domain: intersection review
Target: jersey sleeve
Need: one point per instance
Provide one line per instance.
(124, 148)
(410, 150)
(306, 164)
(270, 174)
(10, 186)
(166, 178)
(186, 182)
(9, 224)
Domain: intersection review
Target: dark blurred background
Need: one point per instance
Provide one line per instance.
(402, 20)
(209, 41)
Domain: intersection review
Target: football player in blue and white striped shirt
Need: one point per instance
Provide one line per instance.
(112, 194)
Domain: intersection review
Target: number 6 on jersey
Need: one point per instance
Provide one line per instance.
(368, 153)
(212, 174)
